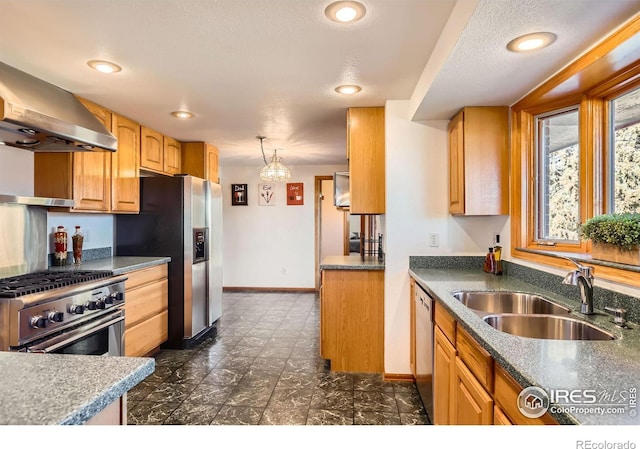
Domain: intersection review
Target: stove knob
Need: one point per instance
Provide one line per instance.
(90, 305)
(76, 309)
(100, 304)
(55, 317)
(117, 296)
(109, 300)
(38, 322)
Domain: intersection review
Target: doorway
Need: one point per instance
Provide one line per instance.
(329, 224)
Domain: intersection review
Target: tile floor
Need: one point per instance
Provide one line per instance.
(264, 368)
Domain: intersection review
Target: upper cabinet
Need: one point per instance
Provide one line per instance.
(365, 151)
(159, 153)
(172, 156)
(200, 159)
(125, 165)
(479, 161)
(96, 181)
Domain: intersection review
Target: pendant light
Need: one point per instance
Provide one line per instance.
(274, 171)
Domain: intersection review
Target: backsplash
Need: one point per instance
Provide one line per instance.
(87, 255)
(549, 281)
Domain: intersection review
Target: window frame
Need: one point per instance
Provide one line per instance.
(606, 71)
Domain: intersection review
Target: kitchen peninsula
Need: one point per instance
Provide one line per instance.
(61, 389)
(352, 313)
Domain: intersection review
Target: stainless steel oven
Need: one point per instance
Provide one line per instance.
(65, 312)
(100, 336)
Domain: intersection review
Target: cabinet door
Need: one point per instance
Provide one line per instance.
(366, 160)
(471, 404)
(92, 171)
(125, 179)
(212, 163)
(172, 156)
(412, 327)
(151, 149)
(444, 357)
(456, 165)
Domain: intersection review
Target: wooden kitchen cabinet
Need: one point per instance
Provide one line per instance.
(444, 357)
(172, 156)
(470, 403)
(151, 150)
(84, 177)
(366, 154)
(352, 320)
(469, 386)
(159, 153)
(125, 165)
(146, 310)
(412, 327)
(479, 161)
(200, 159)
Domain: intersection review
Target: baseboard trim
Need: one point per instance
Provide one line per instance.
(269, 289)
(397, 377)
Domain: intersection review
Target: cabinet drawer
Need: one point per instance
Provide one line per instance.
(506, 395)
(445, 322)
(477, 359)
(145, 276)
(145, 302)
(142, 338)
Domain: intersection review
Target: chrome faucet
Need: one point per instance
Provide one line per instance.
(583, 278)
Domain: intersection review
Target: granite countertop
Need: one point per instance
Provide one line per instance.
(117, 264)
(46, 389)
(608, 367)
(351, 263)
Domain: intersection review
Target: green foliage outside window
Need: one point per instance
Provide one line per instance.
(616, 229)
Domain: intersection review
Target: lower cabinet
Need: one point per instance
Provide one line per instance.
(352, 320)
(146, 315)
(470, 388)
(444, 364)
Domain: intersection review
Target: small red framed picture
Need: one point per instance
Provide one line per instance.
(295, 194)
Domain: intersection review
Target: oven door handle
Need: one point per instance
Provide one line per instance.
(68, 338)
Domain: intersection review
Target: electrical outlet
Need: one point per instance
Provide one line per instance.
(284, 270)
(496, 238)
(434, 239)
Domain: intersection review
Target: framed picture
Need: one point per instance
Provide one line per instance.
(239, 195)
(267, 194)
(295, 194)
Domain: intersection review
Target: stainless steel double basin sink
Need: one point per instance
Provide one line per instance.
(529, 315)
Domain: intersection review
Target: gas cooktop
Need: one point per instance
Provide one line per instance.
(27, 284)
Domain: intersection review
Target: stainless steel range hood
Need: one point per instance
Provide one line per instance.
(38, 116)
(36, 201)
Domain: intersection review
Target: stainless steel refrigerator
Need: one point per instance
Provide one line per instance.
(180, 217)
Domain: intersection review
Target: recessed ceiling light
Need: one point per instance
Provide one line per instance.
(182, 114)
(348, 89)
(104, 66)
(345, 11)
(533, 41)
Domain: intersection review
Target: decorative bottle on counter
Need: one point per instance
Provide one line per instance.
(489, 262)
(77, 239)
(60, 243)
(497, 253)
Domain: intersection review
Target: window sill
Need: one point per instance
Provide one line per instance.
(617, 272)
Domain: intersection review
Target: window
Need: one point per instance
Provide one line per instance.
(558, 176)
(575, 153)
(624, 156)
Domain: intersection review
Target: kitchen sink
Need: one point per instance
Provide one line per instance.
(509, 302)
(550, 327)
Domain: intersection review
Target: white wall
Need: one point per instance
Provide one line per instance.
(417, 205)
(16, 171)
(270, 246)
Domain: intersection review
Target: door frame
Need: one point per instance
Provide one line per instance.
(317, 212)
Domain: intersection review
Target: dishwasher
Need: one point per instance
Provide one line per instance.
(424, 348)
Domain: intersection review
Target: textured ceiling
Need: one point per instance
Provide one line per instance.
(269, 67)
